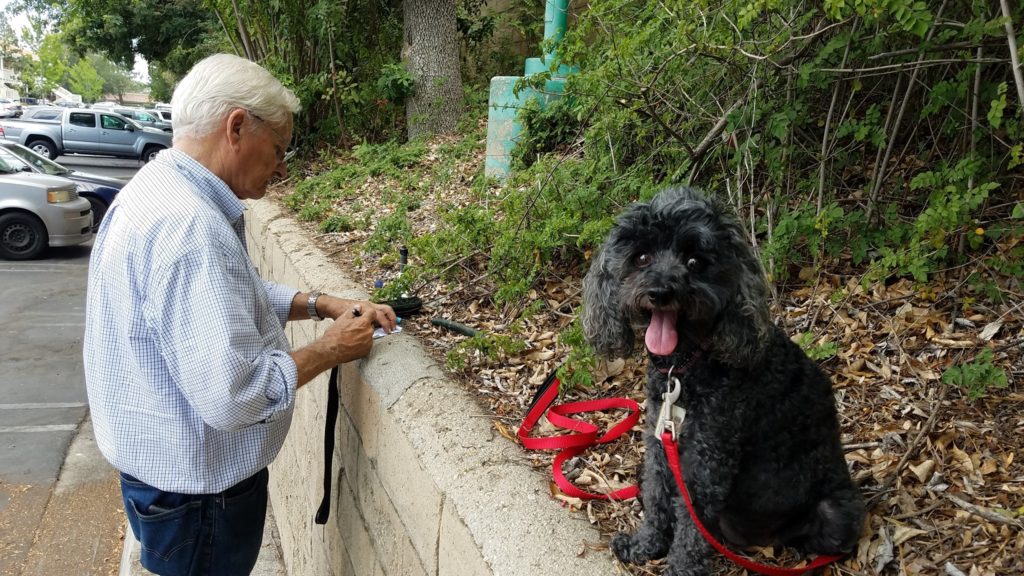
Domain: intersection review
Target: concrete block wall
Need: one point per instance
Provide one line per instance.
(423, 485)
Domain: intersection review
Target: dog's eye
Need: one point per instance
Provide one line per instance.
(695, 264)
(644, 260)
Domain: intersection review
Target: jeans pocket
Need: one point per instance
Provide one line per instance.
(239, 529)
(168, 536)
(254, 487)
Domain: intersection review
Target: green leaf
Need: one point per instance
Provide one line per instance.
(995, 112)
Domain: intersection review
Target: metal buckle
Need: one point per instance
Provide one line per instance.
(666, 421)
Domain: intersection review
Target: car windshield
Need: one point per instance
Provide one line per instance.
(9, 163)
(42, 164)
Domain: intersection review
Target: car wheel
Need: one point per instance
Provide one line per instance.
(22, 236)
(44, 148)
(149, 154)
(99, 209)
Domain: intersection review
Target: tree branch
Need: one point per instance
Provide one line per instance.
(828, 126)
(881, 169)
(942, 48)
(1011, 41)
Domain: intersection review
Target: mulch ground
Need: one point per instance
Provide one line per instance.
(941, 471)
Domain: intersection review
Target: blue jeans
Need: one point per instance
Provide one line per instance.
(198, 534)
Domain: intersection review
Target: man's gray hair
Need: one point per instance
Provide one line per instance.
(224, 82)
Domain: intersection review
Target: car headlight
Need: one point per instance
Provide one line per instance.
(58, 196)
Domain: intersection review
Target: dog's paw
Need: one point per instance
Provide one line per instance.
(625, 548)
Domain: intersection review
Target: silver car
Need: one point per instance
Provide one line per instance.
(145, 118)
(38, 211)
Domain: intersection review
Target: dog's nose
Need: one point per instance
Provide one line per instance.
(659, 295)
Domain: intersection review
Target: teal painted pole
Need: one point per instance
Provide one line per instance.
(503, 127)
(556, 16)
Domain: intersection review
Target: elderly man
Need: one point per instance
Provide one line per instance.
(190, 377)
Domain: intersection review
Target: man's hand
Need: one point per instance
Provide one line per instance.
(348, 338)
(351, 335)
(332, 307)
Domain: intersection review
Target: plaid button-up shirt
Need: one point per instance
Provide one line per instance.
(189, 379)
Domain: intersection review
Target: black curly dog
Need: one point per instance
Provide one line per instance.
(759, 447)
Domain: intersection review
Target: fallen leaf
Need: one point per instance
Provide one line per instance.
(504, 431)
(988, 467)
(903, 533)
(990, 330)
(571, 501)
(883, 551)
(923, 471)
(963, 459)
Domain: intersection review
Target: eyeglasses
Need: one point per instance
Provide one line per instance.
(289, 152)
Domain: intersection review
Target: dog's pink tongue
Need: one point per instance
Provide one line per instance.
(661, 337)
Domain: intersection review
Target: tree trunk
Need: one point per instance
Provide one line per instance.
(431, 53)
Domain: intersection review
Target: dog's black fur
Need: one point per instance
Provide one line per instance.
(759, 447)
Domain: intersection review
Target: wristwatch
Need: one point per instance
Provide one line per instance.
(311, 305)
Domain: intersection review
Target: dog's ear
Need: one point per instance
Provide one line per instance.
(740, 335)
(604, 323)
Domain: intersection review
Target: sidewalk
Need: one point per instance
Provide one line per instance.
(79, 531)
(85, 519)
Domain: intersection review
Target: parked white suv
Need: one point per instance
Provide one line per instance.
(9, 108)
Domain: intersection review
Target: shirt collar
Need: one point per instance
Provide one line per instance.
(206, 182)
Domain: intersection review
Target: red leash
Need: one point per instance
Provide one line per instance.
(668, 428)
(672, 453)
(584, 437)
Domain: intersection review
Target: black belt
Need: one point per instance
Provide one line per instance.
(330, 423)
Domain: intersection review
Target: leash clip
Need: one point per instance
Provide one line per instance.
(667, 421)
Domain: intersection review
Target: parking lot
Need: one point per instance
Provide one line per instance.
(113, 167)
(44, 421)
(42, 390)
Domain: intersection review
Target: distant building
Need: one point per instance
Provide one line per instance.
(9, 84)
(61, 94)
(130, 98)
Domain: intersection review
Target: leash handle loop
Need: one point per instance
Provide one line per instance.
(585, 433)
(672, 454)
(330, 423)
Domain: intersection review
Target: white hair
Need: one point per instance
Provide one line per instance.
(221, 83)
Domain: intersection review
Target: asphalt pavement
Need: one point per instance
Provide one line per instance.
(60, 501)
(60, 507)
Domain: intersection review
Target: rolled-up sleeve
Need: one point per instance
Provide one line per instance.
(281, 298)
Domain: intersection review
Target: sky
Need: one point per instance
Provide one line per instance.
(141, 69)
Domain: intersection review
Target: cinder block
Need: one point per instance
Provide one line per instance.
(348, 449)
(330, 535)
(362, 403)
(354, 536)
(280, 262)
(391, 542)
(414, 493)
(458, 554)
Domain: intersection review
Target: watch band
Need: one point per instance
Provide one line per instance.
(311, 305)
